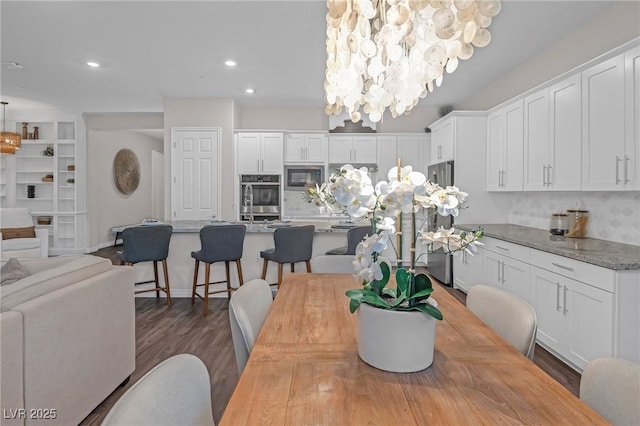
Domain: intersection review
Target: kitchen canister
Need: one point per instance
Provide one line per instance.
(578, 220)
(559, 224)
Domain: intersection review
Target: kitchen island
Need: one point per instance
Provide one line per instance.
(329, 234)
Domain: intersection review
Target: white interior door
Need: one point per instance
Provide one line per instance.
(196, 174)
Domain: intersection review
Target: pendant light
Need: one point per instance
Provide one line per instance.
(9, 141)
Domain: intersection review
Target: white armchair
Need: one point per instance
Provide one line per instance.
(14, 219)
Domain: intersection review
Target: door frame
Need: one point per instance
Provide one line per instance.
(174, 130)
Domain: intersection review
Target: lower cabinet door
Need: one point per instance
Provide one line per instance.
(547, 296)
(516, 278)
(493, 269)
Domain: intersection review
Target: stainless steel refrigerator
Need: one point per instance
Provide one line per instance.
(439, 264)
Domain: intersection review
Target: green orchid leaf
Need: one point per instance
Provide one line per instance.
(378, 285)
(353, 305)
(356, 294)
(375, 300)
(391, 292)
(423, 283)
(402, 280)
(425, 308)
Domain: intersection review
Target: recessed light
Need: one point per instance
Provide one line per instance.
(230, 63)
(93, 64)
(250, 91)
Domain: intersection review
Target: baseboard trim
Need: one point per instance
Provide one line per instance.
(179, 293)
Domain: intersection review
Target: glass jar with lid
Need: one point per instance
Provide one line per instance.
(578, 220)
(559, 224)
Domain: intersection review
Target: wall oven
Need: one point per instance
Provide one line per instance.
(299, 178)
(259, 197)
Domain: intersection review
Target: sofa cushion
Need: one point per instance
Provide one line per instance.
(26, 232)
(12, 271)
(20, 244)
(48, 280)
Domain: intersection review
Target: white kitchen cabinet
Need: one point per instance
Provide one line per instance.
(552, 137)
(632, 120)
(411, 149)
(575, 320)
(507, 274)
(260, 153)
(603, 126)
(443, 140)
(468, 270)
(505, 148)
(305, 148)
(352, 149)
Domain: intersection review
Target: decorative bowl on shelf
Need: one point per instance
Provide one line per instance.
(71, 168)
(44, 220)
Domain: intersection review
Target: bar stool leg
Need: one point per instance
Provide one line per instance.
(207, 269)
(195, 282)
(280, 265)
(157, 279)
(239, 267)
(264, 268)
(226, 267)
(308, 266)
(167, 289)
(293, 267)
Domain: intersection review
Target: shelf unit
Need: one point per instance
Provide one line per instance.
(59, 198)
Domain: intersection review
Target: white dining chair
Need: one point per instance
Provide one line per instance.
(611, 386)
(508, 315)
(332, 264)
(175, 392)
(248, 308)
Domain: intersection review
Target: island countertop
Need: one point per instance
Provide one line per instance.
(608, 254)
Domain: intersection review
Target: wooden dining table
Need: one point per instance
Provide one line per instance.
(304, 370)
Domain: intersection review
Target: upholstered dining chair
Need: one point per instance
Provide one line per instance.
(248, 309)
(148, 243)
(508, 315)
(332, 264)
(18, 236)
(219, 243)
(611, 386)
(292, 245)
(175, 392)
(354, 236)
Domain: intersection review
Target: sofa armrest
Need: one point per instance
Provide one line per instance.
(43, 235)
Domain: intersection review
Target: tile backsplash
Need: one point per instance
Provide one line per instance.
(613, 216)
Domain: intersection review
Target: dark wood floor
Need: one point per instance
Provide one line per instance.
(162, 332)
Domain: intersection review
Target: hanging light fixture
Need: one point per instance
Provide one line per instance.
(9, 141)
(389, 53)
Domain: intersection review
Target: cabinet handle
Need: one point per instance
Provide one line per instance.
(618, 160)
(502, 273)
(549, 175)
(626, 162)
(544, 175)
(502, 248)
(557, 297)
(562, 266)
(564, 303)
(499, 278)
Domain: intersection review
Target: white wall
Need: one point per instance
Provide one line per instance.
(108, 206)
(202, 112)
(297, 118)
(106, 135)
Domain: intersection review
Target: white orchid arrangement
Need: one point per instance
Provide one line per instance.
(405, 192)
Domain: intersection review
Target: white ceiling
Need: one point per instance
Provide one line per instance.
(151, 50)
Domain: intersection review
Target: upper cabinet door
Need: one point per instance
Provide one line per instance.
(248, 153)
(537, 174)
(315, 148)
(272, 145)
(294, 148)
(411, 150)
(565, 99)
(632, 110)
(364, 149)
(442, 141)
(513, 147)
(603, 125)
(340, 149)
(495, 150)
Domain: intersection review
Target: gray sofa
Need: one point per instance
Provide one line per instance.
(67, 339)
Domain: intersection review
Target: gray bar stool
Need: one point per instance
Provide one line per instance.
(293, 245)
(354, 236)
(148, 244)
(219, 243)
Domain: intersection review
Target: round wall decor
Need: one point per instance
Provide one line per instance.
(126, 171)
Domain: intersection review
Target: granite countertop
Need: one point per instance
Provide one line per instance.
(603, 253)
(194, 226)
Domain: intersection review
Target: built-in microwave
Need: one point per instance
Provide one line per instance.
(298, 178)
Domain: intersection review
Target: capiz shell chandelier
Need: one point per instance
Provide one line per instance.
(389, 53)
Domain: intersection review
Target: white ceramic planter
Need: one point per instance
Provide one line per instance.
(400, 342)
